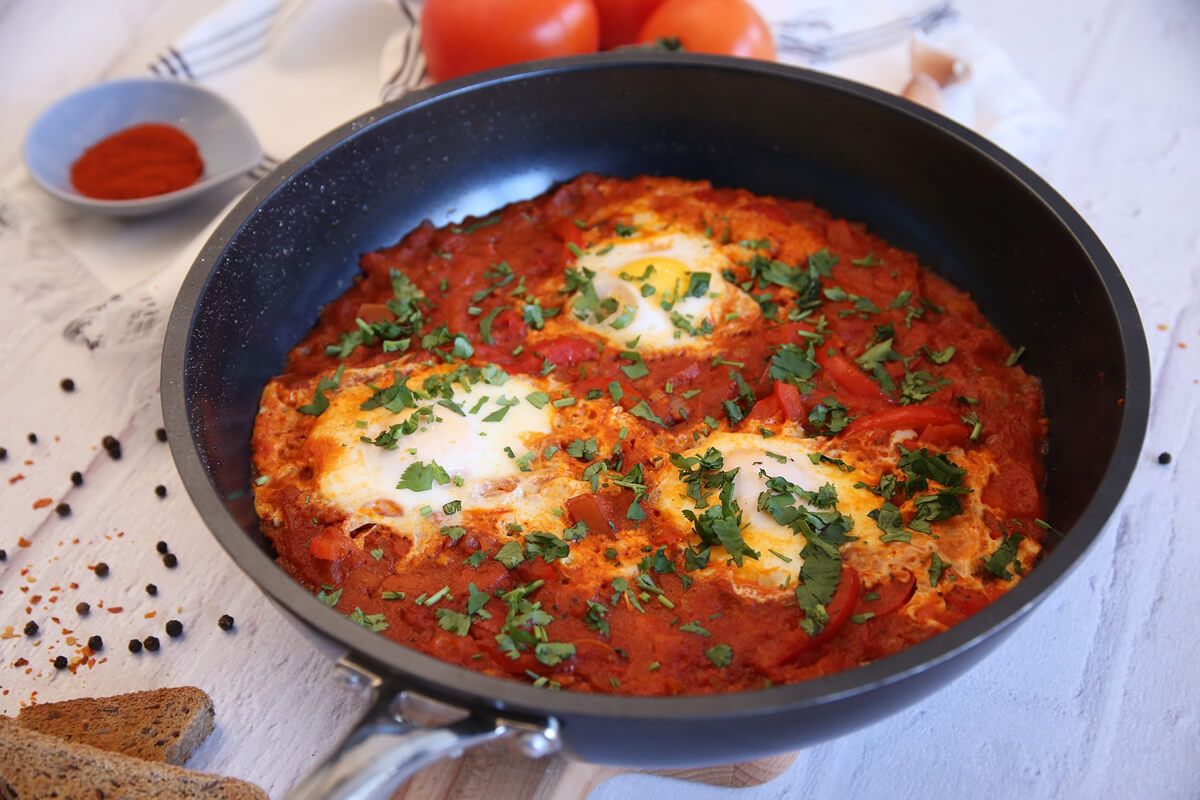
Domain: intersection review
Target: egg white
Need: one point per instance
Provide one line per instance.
(488, 465)
(756, 459)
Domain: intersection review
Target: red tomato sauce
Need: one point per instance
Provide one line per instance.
(643, 651)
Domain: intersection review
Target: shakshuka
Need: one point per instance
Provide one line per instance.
(653, 437)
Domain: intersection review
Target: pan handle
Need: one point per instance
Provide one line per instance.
(387, 746)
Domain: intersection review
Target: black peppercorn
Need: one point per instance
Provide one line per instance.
(63, 509)
(160, 490)
(135, 646)
(170, 561)
(112, 446)
(161, 547)
(174, 628)
(150, 643)
(161, 434)
(3, 454)
(83, 609)
(151, 589)
(31, 628)
(1164, 458)
(100, 569)
(60, 662)
(3, 555)
(67, 385)
(32, 438)
(77, 478)
(95, 644)
(225, 622)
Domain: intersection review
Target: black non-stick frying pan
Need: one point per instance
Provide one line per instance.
(970, 211)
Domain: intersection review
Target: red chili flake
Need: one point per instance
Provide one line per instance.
(115, 609)
(16, 478)
(42, 502)
(23, 542)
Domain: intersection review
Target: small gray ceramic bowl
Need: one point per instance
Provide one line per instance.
(61, 134)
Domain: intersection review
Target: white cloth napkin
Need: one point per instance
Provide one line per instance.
(297, 68)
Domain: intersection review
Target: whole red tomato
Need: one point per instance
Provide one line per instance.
(621, 20)
(464, 36)
(725, 27)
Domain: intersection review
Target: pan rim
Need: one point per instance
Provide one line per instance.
(412, 669)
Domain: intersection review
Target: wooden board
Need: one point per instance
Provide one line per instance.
(495, 772)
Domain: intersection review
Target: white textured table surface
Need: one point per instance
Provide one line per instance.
(1097, 694)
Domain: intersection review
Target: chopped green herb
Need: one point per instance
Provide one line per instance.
(936, 567)
(420, 477)
(721, 655)
(326, 384)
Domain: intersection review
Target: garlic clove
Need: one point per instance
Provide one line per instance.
(937, 64)
(924, 90)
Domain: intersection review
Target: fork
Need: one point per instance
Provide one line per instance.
(792, 40)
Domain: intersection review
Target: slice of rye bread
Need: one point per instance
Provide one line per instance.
(35, 765)
(157, 725)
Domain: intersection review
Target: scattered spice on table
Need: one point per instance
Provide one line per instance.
(60, 662)
(63, 509)
(135, 646)
(100, 569)
(174, 628)
(225, 623)
(160, 490)
(151, 589)
(95, 643)
(83, 609)
(77, 478)
(161, 434)
(32, 438)
(140, 161)
(150, 643)
(170, 561)
(67, 385)
(1164, 458)
(112, 446)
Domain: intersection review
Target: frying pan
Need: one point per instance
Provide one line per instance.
(971, 212)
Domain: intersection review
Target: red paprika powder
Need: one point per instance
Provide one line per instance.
(141, 161)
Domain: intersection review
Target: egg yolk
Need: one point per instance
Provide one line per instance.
(669, 277)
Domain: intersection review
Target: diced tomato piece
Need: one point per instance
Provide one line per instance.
(841, 605)
(330, 545)
(952, 435)
(374, 312)
(893, 594)
(840, 609)
(765, 410)
(840, 234)
(586, 508)
(789, 400)
(567, 351)
(508, 329)
(569, 232)
(965, 600)
(846, 374)
(894, 419)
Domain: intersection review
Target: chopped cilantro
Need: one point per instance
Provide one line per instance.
(1005, 556)
(326, 384)
(420, 477)
(721, 655)
(510, 555)
(936, 567)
